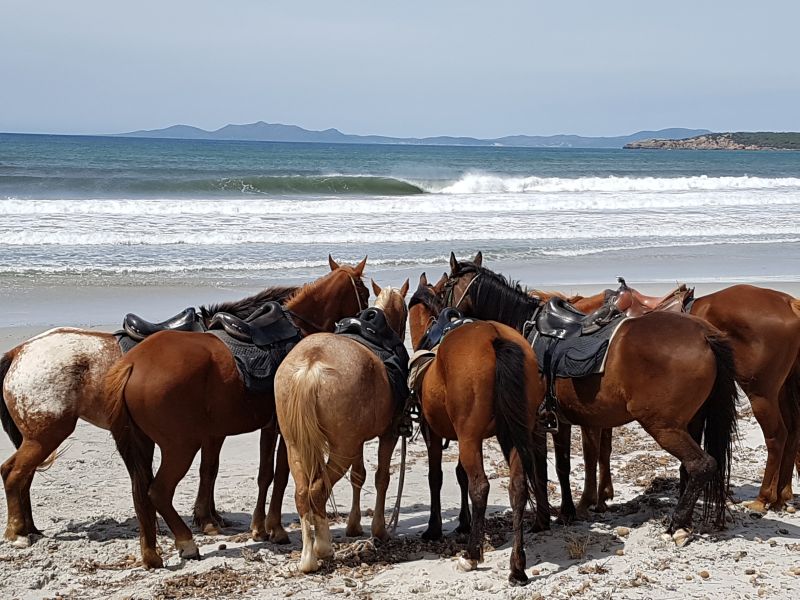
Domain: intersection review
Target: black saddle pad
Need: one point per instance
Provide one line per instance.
(126, 342)
(370, 329)
(575, 356)
(257, 364)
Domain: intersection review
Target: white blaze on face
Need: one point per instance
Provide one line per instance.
(41, 380)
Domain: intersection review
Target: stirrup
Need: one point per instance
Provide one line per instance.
(548, 420)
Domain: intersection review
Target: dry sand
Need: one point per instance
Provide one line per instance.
(90, 548)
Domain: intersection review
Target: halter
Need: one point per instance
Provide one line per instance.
(451, 289)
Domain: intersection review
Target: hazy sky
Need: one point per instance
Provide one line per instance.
(407, 68)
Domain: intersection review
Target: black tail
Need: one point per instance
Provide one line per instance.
(719, 428)
(792, 388)
(5, 417)
(513, 423)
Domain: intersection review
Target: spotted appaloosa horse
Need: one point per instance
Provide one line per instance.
(50, 381)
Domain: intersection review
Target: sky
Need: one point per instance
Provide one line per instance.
(410, 68)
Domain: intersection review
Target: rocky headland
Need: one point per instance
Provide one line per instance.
(724, 141)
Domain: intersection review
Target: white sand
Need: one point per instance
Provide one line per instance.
(90, 548)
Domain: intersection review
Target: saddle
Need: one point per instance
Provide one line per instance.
(635, 304)
(448, 320)
(267, 326)
(138, 328)
(559, 319)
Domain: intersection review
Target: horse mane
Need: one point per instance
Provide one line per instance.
(428, 298)
(545, 295)
(498, 298)
(247, 306)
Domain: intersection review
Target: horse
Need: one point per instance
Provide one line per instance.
(332, 395)
(50, 381)
(763, 328)
(179, 390)
(482, 382)
(672, 373)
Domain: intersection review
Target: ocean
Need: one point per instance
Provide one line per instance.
(104, 210)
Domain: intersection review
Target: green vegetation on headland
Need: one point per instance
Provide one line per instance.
(756, 140)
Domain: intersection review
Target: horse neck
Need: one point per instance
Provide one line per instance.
(420, 318)
(318, 307)
(508, 306)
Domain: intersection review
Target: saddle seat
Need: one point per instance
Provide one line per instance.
(449, 319)
(560, 319)
(372, 326)
(635, 304)
(138, 328)
(266, 326)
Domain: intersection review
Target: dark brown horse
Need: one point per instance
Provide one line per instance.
(763, 328)
(671, 373)
(50, 381)
(179, 390)
(483, 381)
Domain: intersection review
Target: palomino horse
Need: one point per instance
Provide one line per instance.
(483, 381)
(763, 328)
(672, 373)
(332, 395)
(54, 379)
(178, 390)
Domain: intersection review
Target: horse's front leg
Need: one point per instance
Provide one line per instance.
(277, 534)
(205, 514)
(266, 472)
(561, 443)
(590, 437)
(434, 443)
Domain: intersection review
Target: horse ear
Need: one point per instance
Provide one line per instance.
(478, 260)
(453, 262)
(376, 288)
(334, 265)
(423, 280)
(404, 289)
(359, 270)
(439, 285)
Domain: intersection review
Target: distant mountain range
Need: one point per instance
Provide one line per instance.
(277, 132)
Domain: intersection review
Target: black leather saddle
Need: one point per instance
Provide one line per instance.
(138, 329)
(559, 319)
(371, 325)
(449, 319)
(266, 326)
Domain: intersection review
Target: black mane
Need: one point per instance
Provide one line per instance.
(497, 298)
(245, 307)
(428, 298)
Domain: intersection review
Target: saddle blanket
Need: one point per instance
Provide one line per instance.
(576, 356)
(126, 342)
(256, 366)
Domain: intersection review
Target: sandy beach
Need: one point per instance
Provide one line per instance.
(90, 548)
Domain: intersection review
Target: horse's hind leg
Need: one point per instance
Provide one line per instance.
(790, 452)
(18, 472)
(175, 463)
(561, 443)
(699, 466)
(358, 475)
(266, 472)
(767, 412)
(471, 454)
(205, 513)
(518, 495)
(308, 561)
(605, 487)
(464, 517)
(590, 439)
(277, 534)
(434, 530)
(385, 449)
(320, 490)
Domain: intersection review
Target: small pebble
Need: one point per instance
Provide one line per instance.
(689, 578)
(791, 510)
(622, 531)
(223, 546)
(749, 571)
(620, 552)
(783, 531)
(535, 572)
(704, 574)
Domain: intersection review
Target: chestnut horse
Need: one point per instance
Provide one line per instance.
(332, 395)
(763, 328)
(50, 381)
(179, 390)
(483, 381)
(672, 373)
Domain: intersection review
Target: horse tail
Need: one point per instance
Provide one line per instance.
(301, 427)
(14, 434)
(512, 420)
(719, 427)
(133, 445)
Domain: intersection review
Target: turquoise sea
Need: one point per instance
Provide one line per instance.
(119, 210)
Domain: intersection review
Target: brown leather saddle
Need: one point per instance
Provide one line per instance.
(635, 304)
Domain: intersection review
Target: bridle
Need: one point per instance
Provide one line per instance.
(451, 287)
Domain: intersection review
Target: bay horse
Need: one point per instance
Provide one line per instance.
(763, 328)
(55, 378)
(672, 373)
(332, 395)
(483, 382)
(179, 390)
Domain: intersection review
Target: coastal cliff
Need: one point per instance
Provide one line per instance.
(724, 141)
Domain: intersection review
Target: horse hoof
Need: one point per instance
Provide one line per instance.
(431, 535)
(259, 535)
(188, 550)
(309, 565)
(467, 564)
(681, 537)
(518, 579)
(152, 560)
(21, 541)
(354, 531)
(211, 529)
(755, 506)
(279, 536)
